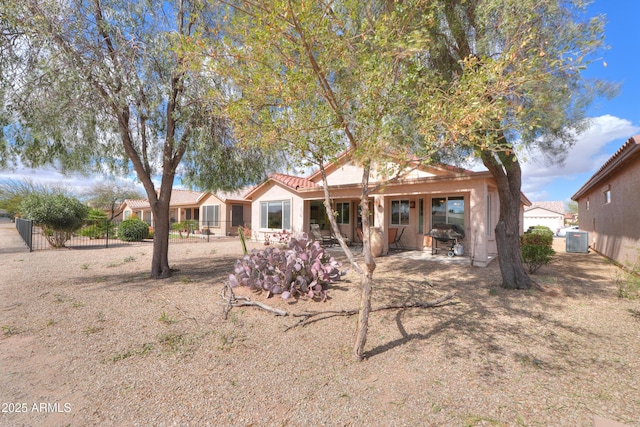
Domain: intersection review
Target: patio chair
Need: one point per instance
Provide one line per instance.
(346, 239)
(324, 239)
(394, 238)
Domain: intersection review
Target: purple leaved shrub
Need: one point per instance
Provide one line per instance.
(301, 270)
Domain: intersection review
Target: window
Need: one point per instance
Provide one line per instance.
(421, 216)
(276, 215)
(318, 214)
(211, 215)
(447, 210)
(127, 214)
(237, 215)
(587, 204)
(399, 212)
(343, 212)
(489, 215)
(607, 196)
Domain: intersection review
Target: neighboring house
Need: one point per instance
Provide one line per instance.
(609, 205)
(548, 214)
(219, 213)
(423, 197)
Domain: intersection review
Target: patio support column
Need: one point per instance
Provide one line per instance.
(476, 229)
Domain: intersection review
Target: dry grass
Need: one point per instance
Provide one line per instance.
(87, 328)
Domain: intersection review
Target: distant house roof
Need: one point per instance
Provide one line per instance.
(557, 206)
(178, 198)
(186, 197)
(137, 203)
(629, 151)
(238, 195)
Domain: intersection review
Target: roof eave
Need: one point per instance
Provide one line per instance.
(628, 151)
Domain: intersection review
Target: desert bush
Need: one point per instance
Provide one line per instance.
(541, 230)
(536, 249)
(133, 230)
(628, 279)
(57, 214)
(302, 270)
(97, 225)
(185, 228)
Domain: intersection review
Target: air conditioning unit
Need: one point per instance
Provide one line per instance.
(577, 241)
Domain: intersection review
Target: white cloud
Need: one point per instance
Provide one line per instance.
(592, 148)
(589, 151)
(78, 184)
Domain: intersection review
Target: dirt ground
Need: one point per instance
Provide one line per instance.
(88, 339)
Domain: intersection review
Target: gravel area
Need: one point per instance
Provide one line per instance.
(88, 339)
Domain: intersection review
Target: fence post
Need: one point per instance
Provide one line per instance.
(108, 224)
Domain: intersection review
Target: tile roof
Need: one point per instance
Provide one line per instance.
(137, 203)
(294, 182)
(556, 206)
(178, 198)
(628, 151)
(233, 195)
(185, 197)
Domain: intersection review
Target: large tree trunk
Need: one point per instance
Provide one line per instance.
(506, 170)
(366, 279)
(160, 261)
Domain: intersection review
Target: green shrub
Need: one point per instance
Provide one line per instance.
(133, 230)
(58, 215)
(541, 230)
(97, 225)
(541, 238)
(185, 228)
(536, 249)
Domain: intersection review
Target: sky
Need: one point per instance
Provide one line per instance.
(613, 121)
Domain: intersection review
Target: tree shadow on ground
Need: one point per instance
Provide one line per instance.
(526, 330)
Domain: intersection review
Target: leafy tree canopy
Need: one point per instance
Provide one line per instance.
(111, 85)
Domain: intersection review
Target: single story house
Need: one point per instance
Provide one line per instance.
(548, 214)
(424, 196)
(609, 205)
(218, 213)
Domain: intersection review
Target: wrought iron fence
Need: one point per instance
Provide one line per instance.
(25, 229)
(106, 233)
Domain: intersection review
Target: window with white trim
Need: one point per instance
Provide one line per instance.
(607, 196)
(400, 212)
(211, 215)
(275, 215)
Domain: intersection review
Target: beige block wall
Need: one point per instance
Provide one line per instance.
(614, 228)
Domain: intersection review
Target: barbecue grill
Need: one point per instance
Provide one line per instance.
(447, 234)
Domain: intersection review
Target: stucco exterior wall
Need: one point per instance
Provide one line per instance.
(345, 174)
(275, 192)
(225, 227)
(614, 228)
(478, 243)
